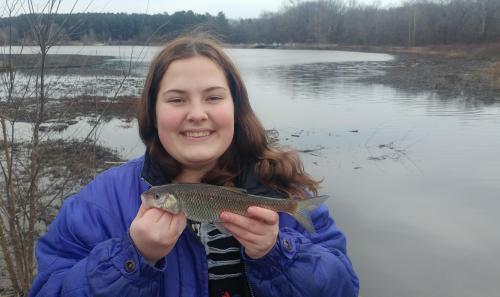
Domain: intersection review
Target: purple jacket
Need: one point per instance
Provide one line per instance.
(88, 252)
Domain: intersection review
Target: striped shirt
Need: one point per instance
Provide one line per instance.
(225, 270)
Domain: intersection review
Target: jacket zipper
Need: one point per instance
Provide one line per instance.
(144, 180)
(204, 255)
(248, 280)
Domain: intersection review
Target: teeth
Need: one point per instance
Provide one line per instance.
(197, 133)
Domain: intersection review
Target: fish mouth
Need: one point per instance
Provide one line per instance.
(197, 134)
(146, 197)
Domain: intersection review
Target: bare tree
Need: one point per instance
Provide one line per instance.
(8, 201)
(36, 172)
(414, 22)
(489, 12)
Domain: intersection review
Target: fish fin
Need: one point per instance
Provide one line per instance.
(236, 190)
(304, 209)
(220, 226)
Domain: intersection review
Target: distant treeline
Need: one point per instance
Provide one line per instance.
(417, 22)
(112, 27)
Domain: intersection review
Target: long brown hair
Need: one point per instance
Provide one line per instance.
(279, 169)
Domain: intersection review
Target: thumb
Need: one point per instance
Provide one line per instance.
(178, 223)
(142, 210)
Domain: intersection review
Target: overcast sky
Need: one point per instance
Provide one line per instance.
(233, 9)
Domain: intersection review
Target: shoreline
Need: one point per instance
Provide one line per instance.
(451, 78)
(491, 50)
(451, 71)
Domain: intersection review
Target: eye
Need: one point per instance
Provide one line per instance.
(157, 196)
(175, 100)
(214, 98)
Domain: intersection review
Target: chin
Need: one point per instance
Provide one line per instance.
(200, 162)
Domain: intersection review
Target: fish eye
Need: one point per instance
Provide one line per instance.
(157, 196)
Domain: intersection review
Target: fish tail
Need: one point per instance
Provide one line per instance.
(304, 209)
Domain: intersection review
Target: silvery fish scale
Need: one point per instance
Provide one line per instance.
(204, 203)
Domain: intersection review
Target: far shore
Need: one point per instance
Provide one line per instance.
(465, 70)
(479, 50)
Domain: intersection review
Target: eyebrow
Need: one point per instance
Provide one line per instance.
(184, 92)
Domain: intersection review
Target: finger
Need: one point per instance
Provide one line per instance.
(142, 210)
(246, 244)
(242, 233)
(254, 244)
(268, 216)
(179, 222)
(165, 220)
(239, 220)
(153, 215)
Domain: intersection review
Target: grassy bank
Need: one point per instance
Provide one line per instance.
(475, 51)
(32, 61)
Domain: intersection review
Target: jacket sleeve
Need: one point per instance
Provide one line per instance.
(82, 255)
(303, 264)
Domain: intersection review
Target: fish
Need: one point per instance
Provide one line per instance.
(204, 202)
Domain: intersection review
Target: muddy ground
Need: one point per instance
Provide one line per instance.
(62, 112)
(449, 77)
(52, 62)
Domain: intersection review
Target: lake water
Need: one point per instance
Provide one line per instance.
(415, 179)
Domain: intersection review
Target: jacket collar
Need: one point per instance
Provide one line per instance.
(152, 173)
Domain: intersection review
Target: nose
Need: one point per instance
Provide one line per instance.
(197, 112)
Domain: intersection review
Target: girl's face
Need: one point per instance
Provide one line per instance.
(195, 112)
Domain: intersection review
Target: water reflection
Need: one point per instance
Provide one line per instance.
(316, 81)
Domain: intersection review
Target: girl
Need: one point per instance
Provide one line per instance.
(197, 124)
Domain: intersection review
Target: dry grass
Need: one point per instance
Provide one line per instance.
(487, 53)
(473, 51)
(491, 74)
(494, 73)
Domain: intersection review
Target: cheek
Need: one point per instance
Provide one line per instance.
(229, 132)
(167, 121)
(226, 120)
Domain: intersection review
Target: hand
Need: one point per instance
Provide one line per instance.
(257, 232)
(155, 232)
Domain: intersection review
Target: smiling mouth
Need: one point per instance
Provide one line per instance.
(197, 134)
